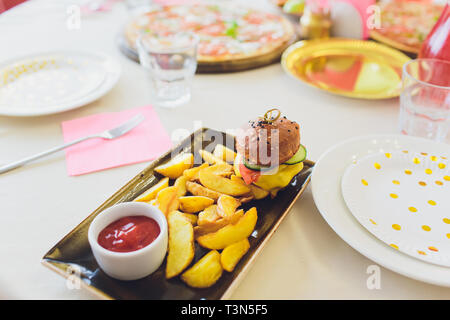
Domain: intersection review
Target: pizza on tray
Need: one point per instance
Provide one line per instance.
(405, 24)
(226, 33)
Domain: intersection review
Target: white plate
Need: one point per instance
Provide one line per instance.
(402, 197)
(326, 189)
(53, 82)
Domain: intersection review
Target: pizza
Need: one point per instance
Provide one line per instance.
(225, 32)
(405, 24)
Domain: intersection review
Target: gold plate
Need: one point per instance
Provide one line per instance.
(72, 257)
(351, 68)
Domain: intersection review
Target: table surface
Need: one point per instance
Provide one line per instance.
(40, 203)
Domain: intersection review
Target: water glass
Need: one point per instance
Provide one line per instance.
(171, 61)
(425, 99)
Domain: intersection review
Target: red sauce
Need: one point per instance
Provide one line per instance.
(129, 234)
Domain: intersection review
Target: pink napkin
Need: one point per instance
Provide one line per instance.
(145, 142)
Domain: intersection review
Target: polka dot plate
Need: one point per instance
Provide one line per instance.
(53, 82)
(402, 198)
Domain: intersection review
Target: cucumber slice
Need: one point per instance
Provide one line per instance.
(251, 166)
(298, 157)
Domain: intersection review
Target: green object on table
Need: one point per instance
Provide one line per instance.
(231, 29)
(294, 6)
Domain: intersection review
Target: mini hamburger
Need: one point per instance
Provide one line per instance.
(269, 153)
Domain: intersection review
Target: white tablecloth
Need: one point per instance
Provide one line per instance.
(40, 203)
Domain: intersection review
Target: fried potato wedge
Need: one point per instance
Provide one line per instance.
(208, 216)
(180, 183)
(181, 244)
(166, 200)
(210, 227)
(192, 218)
(210, 158)
(227, 205)
(231, 255)
(212, 181)
(199, 190)
(246, 199)
(224, 153)
(205, 272)
(151, 193)
(221, 169)
(176, 166)
(192, 173)
(231, 233)
(193, 204)
(257, 192)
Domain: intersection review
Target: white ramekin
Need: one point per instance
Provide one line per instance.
(135, 264)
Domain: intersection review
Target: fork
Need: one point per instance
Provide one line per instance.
(108, 134)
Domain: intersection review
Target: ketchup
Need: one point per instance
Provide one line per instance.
(129, 234)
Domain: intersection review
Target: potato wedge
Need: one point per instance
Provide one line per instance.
(199, 190)
(231, 233)
(151, 193)
(231, 255)
(193, 204)
(210, 227)
(192, 218)
(192, 174)
(208, 216)
(166, 200)
(224, 153)
(210, 180)
(205, 272)
(246, 199)
(221, 169)
(210, 158)
(180, 183)
(176, 166)
(181, 244)
(227, 205)
(257, 192)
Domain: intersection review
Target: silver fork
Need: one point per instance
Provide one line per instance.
(108, 134)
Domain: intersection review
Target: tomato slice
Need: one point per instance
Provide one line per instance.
(249, 176)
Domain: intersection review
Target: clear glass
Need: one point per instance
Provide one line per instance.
(425, 99)
(171, 61)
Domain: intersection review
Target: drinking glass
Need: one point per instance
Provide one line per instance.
(171, 61)
(425, 99)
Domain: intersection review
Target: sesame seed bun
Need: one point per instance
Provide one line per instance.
(257, 141)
